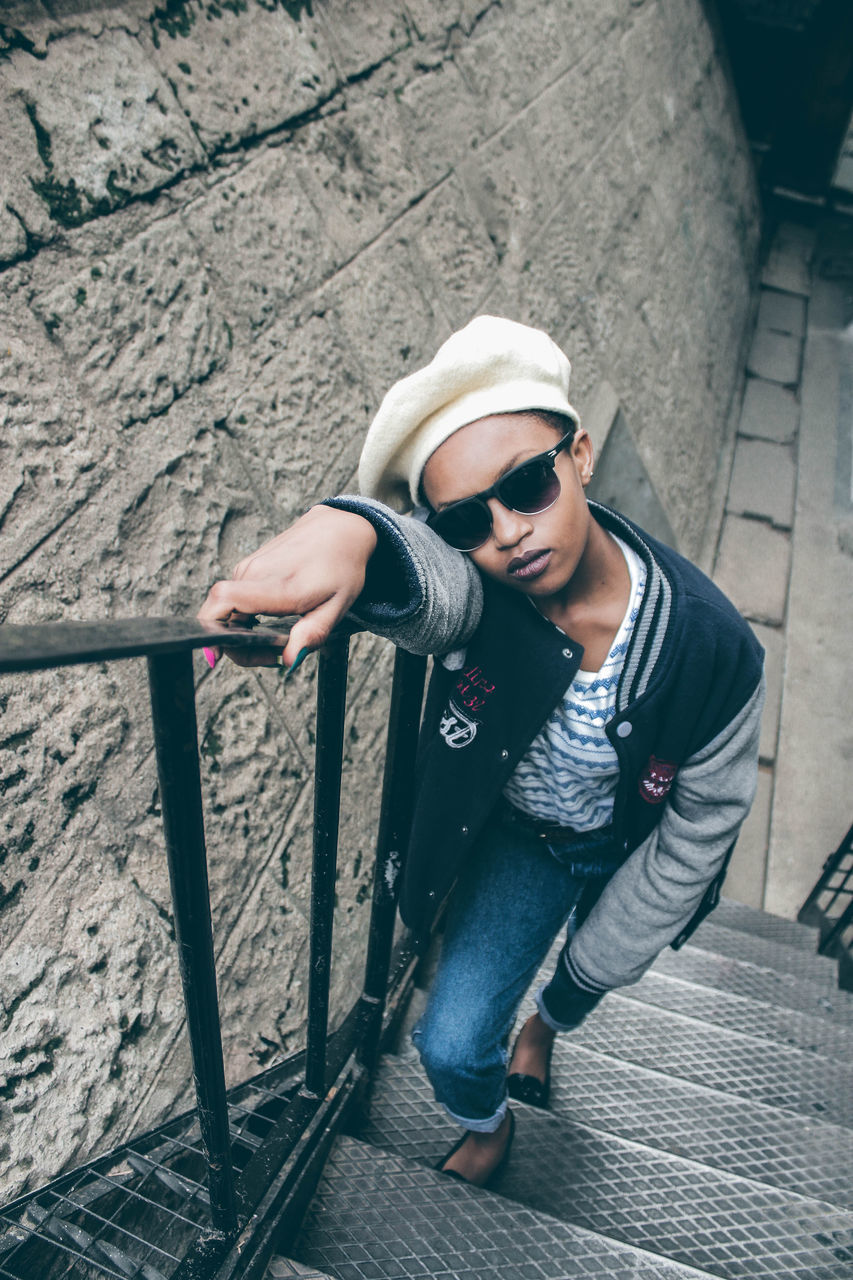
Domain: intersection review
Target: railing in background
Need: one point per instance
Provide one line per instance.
(280, 1124)
(830, 907)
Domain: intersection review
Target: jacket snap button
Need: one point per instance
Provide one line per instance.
(431, 893)
(567, 653)
(464, 831)
(504, 754)
(623, 730)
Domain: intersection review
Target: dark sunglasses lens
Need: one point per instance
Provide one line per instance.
(530, 488)
(465, 526)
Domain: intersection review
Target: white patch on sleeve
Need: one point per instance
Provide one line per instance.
(392, 869)
(453, 660)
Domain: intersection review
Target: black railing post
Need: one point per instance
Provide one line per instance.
(815, 912)
(176, 741)
(331, 706)
(394, 821)
(832, 932)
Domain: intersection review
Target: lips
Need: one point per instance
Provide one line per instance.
(529, 565)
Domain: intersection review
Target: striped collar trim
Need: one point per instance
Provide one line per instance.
(651, 626)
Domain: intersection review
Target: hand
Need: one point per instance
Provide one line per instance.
(316, 568)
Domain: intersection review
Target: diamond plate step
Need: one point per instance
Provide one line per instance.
(718, 1059)
(718, 1222)
(284, 1268)
(757, 982)
(791, 1152)
(376, 1215)
(762, 951)
(737, 915)
(739, 1013)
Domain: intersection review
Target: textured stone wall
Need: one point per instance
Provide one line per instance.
(225, 227)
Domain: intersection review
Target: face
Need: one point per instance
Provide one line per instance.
(536, 554)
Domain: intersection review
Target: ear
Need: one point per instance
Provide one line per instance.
(583, 455)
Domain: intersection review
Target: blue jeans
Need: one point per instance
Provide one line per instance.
(514, 894)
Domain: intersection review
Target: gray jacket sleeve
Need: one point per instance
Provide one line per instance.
(419, 592)
(657, 891)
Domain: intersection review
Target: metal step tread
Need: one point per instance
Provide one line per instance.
(758, 982)
(279, 1268)
(376, 1215)
(799, 1151)
(719, 1222)
(727, 1061)
(808, 1157)
(737, 915)
(791, 1152)
(741, 1013)
(781, 956)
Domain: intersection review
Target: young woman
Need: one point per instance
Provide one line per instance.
(590, 739)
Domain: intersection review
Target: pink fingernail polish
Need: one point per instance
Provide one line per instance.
(211, 657)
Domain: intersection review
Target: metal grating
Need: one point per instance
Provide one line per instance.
(790, 1152)
(136, 1211)
(284, 1268)
(809, 1157)
(749, 1017)
(724, 1060)
(724, 1224)
(780, 956)
(737, 915)
(376, 1215)
(743, 979)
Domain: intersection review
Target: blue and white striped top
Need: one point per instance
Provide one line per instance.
(569, 773)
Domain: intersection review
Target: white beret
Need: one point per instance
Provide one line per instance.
(491, 366)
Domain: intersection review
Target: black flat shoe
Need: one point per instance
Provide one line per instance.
(496, 1172)
(530, 1089)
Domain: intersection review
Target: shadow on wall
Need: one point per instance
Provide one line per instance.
(793, 68)
(622, 481)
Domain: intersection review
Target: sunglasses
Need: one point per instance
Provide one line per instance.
(529, 488)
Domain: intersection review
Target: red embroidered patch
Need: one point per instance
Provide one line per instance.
(657, 780)
(473, 688)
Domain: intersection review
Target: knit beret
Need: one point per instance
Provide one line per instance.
(491, 366)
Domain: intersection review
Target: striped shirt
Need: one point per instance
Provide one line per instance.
(569, 773)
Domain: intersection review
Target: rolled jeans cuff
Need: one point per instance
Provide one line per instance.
(563, 1010)
(490, 1125)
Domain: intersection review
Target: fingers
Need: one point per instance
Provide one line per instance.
(313, 630)
(240, 602)
(315, 569)
(254, 657)
(308, 634)
(266, 658)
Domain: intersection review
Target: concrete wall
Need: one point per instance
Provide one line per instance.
(225, 227)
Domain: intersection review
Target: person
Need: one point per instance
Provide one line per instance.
(589, 743)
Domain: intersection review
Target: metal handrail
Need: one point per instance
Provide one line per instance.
(829, 906)
(245, 1208)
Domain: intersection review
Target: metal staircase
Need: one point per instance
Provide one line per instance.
(701, 1124)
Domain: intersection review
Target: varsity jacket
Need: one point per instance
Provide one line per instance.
(685, 730)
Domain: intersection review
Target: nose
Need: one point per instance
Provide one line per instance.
(508, 527)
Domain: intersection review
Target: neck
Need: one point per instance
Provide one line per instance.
(591, 607)
(601, 579)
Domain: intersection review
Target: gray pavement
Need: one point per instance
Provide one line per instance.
(785, 557)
